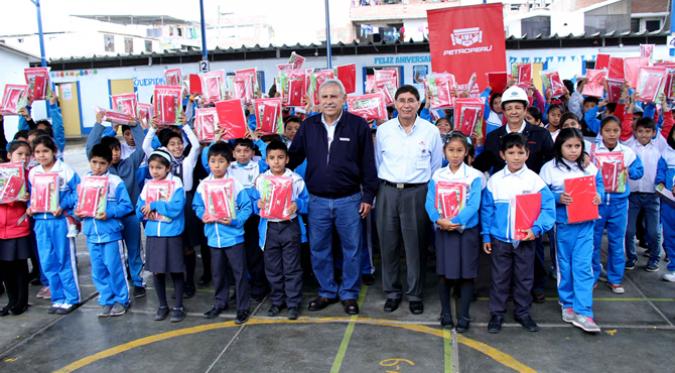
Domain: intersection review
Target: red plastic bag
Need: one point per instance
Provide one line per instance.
(206, 123)
(173, 77)
(525, 74)
(450, 198)
(37, 79)
(650, 82)
(92, 195)
(268, 116)
(14, 99)
(125, 104)
(231, 118)
(553, 82)
(528, 208)
(211, 86)
(167, 104)
(468, 115)
(614, 173)
(669, 85)
(296, 60)
(614, 90)
(44, 196)
(276, 192)
(595, 83)
(583, 191)
(158, 190)
(347, 75)
(386, 80)
(615, 68)
(12, 182)
(440, 87)
(219, 199)
(245, 85)
(369, 106)
(497, 81)
(631, 69)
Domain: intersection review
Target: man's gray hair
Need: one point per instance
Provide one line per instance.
(335, 82)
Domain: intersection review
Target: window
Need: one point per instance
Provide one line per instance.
(635, 25)
(653, 25)
(128, 45)
(148, 46)
(109, 42)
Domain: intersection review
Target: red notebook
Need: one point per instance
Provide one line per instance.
(195, 84)
(583, 191)
(245, 85)
(92, 195)
(295, 93)
(37, 79)
(369, 107)
(467, 116)
(44, 195)
(525, 73)
(497, 81)
(211, 85)
(615, 68)
(347, 75)
(158, 190)
(602, 61)
(219, 201)
(206, 123)
(528, 208)
(556, 85)
(173, 77)
(277, 194)
(268, 115)
(450, 198)
(12, 182)
(231, 118)
(613, 170)
(125, 104)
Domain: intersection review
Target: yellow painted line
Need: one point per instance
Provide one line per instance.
(495, 354)
(447, 351)
(342, 350)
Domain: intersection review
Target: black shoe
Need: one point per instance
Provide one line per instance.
(214, 312)
(416, 307)
(4, 311)
(462, 325)
(52, 310)
(391, 305)
(65, 309)
(275, 310)
(204, 281)
(177, 314)
(350, 306)
(242, 316)
(162, 313)
(538, 296)
(16, 311)
(139, 292)
(368, 280)
(293, 313)
(495, 324)
(320, 303)
(446, 321)
(527, 323)
(189, 292)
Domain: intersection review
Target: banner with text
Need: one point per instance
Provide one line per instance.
(466, 40)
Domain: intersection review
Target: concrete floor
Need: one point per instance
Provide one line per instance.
(638, 335)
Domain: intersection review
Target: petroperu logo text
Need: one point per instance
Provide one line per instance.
(465, 38)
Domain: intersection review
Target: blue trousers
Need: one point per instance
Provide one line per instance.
(575, 267)
(343, 213)
(108, 272)
(668, 223)
(132, 241)
(57, 258)
(614, 217)
(649, 203)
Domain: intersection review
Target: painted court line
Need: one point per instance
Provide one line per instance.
(447, 351)
(342, 350)
(650, 302)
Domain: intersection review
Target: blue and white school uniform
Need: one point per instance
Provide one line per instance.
(574, 257)
(164, 246)
(665, 174)
(457, 252)
(614, 217)
(104, 240)
(56, 251)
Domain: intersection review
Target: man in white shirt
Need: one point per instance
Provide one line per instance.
(408, 149)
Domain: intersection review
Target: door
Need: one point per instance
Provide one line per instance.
(69, 96)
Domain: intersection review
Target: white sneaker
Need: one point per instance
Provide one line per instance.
(669, 276)
(568, 315)
(586, 324)
(616, 289)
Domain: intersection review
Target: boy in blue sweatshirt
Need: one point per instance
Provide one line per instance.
(226, 236)
(512, 260)
(104, 233)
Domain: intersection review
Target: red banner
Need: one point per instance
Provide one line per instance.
(466, 40)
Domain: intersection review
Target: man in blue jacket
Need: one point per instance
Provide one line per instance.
(342, 181)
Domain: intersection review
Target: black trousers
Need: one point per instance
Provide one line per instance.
(255, 265)
(282, 263)
(512, 267)
(15, 277)
(234, 258)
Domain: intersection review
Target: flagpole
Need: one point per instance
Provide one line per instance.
(329, 52)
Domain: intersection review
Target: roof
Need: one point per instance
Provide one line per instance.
(19, 52)
(135, 19)
(354, 48)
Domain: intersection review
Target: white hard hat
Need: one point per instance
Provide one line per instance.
(515, 93)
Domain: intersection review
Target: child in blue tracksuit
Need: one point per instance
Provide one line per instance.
(280, 238)
(57, 254)
(512, 260)
(226, 236)
(574, 256)
(104, 235)
(457, 240)
(665, 179)
(164, 245)
(614, 208)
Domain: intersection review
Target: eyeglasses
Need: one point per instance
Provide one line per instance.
(411, 101)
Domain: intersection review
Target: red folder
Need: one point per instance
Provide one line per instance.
(158, 190)
(583, 191)
(440, 87)
(613, 170)
(602, 61)
(14, 99)
(219, 201)
(12, 182)
(92, 195)
(528, 208)
(468, 115)
(268, 116)
(347, 75)
(450, 198)
(173, 77)
(615, 68)
(245, 85)
(369, 107)
(168, 106)
(277, 194)
(291, 83)
(211, 85)
(37, 79)
(44, 195)
(231, 118)
(497, 81)
(206, 123)
(195, 84)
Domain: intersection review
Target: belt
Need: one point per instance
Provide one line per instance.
(294, 220)
(402, 185)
